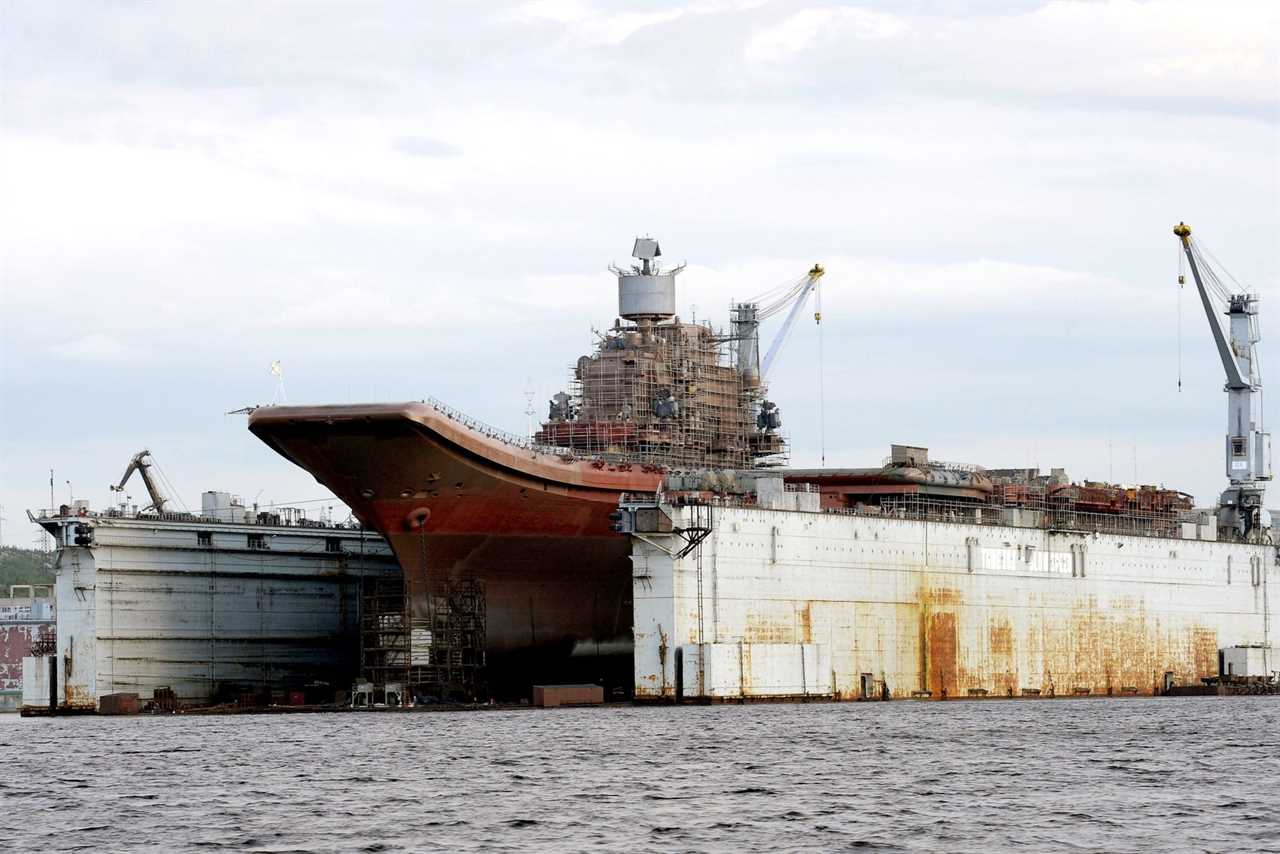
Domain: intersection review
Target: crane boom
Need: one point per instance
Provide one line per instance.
(809, 285)
(1234, 379)
(141, 463)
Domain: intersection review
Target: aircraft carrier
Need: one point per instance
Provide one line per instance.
(666, 447)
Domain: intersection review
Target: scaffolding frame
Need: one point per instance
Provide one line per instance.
(437, 651)
(447, 652)
(1046, 514)
(384, 630)
(666, 394)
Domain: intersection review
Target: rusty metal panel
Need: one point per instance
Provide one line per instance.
(551, 696)
(120, 703)
(15, 644)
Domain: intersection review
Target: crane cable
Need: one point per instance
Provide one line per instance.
(1255, 357)
(1199, 245)
(1210, 274)
(822, 411)
(779, 298)
(1181, 281)
(169, 487)
(1224, 293)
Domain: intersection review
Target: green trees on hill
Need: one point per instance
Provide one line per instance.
(23, 566)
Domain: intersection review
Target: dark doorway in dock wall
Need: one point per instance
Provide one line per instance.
(679, 670)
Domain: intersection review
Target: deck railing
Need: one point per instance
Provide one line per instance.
(1050, 517)
(504, 436)
(266, 517)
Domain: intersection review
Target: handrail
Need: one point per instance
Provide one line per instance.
(497, 433)
(1137, 523)
(971, 468)
(528, 444)
(262, 520)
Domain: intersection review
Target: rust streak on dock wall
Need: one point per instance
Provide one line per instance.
(942, 656)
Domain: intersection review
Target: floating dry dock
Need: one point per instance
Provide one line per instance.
(190, 609)
(769, 595)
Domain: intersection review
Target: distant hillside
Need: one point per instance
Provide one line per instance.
(23, 566)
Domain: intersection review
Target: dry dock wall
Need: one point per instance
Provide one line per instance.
(903, 608)
(208, 610)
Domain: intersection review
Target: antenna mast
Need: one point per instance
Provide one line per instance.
(277, 371)
(529, 394)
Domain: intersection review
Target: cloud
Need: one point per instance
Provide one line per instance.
(590, 25)
(585, 22)
(96, 347)
(1177, 54)
(425, 146)
(798, 33)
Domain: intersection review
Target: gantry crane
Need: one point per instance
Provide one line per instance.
(1248, 447)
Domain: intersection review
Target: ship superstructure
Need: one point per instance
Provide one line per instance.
(662, 391)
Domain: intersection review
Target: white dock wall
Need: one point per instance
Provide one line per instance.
(947, 609)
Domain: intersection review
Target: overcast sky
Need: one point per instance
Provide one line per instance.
(404, 200)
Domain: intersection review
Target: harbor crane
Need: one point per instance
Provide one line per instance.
(142, 463)
(748, 315)
(1248, 448)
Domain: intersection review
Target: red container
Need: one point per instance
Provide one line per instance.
(550, 696)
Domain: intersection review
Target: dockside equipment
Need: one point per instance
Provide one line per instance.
(1241, 510)
(142, 463)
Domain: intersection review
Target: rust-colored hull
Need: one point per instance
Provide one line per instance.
(455, 502)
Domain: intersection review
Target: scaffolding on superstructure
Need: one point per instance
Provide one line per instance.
(666, 394)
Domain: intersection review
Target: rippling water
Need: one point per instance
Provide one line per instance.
(1173, 774)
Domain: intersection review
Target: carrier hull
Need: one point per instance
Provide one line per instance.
(456, 503)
